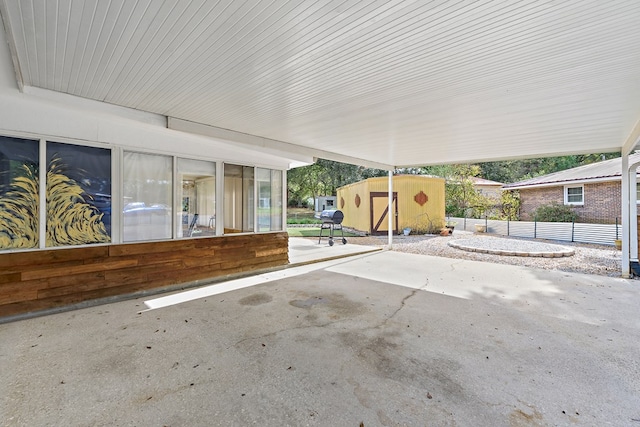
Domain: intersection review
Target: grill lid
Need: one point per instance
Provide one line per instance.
(333, 216)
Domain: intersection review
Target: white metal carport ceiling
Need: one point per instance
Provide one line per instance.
(394, 83)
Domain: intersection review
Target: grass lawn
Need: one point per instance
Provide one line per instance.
(315, 232)
(301, 216)
(306, 218)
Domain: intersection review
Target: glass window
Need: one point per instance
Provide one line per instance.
(196, 198)
(239, 207)
(269, 184)
(19, 193)
(78, 195)
(276, 200)
(147, 194)
(574, 195)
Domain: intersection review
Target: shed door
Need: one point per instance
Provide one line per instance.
(380, 210)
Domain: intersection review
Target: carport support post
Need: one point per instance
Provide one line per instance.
(391, 211)
(628, 195)
(625, 215)
(633, 212)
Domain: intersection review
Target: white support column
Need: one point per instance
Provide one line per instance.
(391, 213)
(633, 213)
(625, 215)
(285, 202)
(42, 193)
(629, 203)
(219, 198)
(116, 195)
(255, 199)
(177, 181)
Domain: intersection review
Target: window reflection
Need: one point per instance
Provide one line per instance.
(196, 198)
(269, 183)
(147, 197)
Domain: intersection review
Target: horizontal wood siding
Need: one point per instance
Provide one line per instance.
(39, 280)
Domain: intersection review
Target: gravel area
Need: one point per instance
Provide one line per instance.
(587, 258)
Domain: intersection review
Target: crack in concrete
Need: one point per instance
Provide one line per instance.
(454, 263)
(404, 301)
(383, 323)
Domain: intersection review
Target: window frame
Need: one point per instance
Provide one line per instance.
(206, 222)
(137, 233)
(566, 195)
(273, 212)
(117, 154)
(48, 147)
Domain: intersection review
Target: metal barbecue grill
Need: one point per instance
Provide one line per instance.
(331, 220)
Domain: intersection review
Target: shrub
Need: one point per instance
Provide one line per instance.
(554, 212)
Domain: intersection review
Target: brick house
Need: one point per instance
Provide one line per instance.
(593, 191)
(486, 187)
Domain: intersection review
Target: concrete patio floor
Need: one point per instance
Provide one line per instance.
(304, 250)
(383, 339)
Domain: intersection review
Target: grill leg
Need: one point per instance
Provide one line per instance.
(344, 241)
(322, 227)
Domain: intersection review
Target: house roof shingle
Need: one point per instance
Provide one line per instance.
(608, 170)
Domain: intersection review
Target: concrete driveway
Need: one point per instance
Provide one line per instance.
(383, 339)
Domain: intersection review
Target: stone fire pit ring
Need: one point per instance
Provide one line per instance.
(512, 247)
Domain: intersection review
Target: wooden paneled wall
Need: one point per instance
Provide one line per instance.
(40, 280)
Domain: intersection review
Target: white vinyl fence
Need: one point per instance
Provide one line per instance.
(603, 234)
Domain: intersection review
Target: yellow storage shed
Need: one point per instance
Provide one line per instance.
(418, 203)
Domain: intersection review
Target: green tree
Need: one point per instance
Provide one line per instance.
(323, 178)
(461, 197)
(510, 205)
(304, 183)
